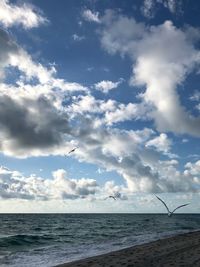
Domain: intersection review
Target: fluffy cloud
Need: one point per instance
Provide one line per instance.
(14, 185)
(111, 189)
(26, 15)
(125, 112)
(161, 69)
(82, 104)
(161, 143)
(106, 86)
(11, 54)
(88, 15)
(192, 168)
(110, 111)
(124, 152)
(42, 126)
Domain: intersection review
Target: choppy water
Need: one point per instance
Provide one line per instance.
(28, 240)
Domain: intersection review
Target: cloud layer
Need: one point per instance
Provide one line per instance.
(14, 185)
(42, 114)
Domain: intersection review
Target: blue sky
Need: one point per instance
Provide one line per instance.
(119, 80)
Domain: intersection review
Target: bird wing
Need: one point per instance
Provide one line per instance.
(112, 197)
(163, 203)
(180, 207)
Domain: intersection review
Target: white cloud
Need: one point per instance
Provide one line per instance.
(106, 86)
(123, 152)
(173, 6)
(77, 38)
(148, 8)
(161, 143)
(24, 63)
(151, 7)
(26, 15)
(82, 104)
(195, 96)
(91, 16)
(12, 55)
(193, 168)
(110, 188)
(111, 111)
(125, 112)
(14, 185)
(161, 69)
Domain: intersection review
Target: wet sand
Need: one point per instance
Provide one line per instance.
(180, 251)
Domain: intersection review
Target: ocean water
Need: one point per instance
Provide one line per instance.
(44, 240)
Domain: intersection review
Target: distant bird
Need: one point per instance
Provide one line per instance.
(111, 197)
(71, 151)
(171, 212)
(115, 196)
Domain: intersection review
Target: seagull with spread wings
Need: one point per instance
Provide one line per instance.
(171, 212)
(115, 196)
(111, 197)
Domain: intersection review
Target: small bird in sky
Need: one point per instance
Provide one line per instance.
(72, 150)
(115, 196)
(171, 212)
(111, 197)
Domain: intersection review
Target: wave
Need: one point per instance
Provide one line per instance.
(22, 240)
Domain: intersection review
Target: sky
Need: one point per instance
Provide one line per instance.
(118, 81)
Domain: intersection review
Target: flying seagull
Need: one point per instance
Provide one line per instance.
(171, 212)
(111, 197)
(71, 151)
(115, 196)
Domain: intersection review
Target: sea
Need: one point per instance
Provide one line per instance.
(45, 240)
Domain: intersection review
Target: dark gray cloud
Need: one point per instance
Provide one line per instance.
(32, 123)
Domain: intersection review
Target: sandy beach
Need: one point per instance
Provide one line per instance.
(181, 250)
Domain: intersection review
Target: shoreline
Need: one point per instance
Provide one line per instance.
(180, 250)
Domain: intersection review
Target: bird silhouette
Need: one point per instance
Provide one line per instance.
(71, 151)
(111, 197)
(171, 212)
